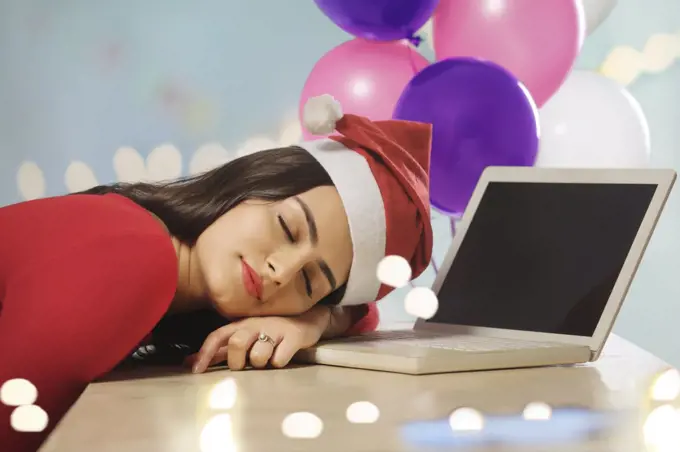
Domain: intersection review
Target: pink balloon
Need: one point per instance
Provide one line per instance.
(366, 77)
(537, 40)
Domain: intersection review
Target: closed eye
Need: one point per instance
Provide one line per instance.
(286, 229)
(291, 239)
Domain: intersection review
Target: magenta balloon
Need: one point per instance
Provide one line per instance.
(536, 40)
(366, 77)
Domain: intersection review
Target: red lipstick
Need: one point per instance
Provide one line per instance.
(251, 280)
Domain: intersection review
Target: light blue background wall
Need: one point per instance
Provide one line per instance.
(81, 78)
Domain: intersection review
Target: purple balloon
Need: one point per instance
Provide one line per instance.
(481, 116)
(379, 20)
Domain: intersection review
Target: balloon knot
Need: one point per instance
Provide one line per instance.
(415, 40)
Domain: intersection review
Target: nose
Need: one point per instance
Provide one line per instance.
(284, 265)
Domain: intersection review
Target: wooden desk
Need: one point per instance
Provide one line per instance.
(169, 413)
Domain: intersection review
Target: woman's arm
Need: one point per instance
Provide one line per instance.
(343, 320)
(67, 318)
(238, 343)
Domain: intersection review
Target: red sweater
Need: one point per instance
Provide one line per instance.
(72, 271)
(83, 279)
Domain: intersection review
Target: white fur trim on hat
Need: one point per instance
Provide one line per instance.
(320, 114)
(365, 211)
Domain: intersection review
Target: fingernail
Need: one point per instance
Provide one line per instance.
(197, 368)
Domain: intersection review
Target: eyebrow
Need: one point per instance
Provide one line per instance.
(314, 238)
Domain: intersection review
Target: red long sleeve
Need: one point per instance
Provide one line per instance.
(82, 280)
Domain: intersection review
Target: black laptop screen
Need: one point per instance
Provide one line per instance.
(543, 257)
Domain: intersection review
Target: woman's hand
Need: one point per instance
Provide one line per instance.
(259, 341)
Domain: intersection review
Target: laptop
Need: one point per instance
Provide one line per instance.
(535, 276)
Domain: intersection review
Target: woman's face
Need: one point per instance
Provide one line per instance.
(275, 258)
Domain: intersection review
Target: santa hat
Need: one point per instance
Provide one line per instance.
(381, 171)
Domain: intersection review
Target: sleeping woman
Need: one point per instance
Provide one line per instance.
(247, 263)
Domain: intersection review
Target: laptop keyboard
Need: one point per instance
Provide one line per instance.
(429, 339)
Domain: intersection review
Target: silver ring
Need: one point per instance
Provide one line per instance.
(266, 338)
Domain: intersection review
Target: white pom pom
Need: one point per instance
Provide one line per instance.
(320, 114)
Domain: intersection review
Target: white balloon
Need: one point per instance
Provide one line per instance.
(596, 11)
(593, 122)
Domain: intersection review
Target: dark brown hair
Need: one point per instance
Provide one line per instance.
(188, 206)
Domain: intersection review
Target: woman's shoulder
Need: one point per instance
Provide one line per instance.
(52, 226)
(82, 215)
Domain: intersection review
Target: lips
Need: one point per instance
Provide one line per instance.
(251, 281)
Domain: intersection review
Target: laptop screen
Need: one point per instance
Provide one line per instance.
(542, 257)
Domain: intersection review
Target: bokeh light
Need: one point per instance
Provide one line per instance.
(218, 434)
(208, 156)
(394, 271)
(660, 427)
(661, 430)
(18, 391)
(291, 132)
(421, 302)
(29, 418)
(31, 181)
(537, 411)
(79, 177)
(302, 425)
(626, 64)
(164, 163)
(666, 387)
(362, 413)
(466, 420)
(223, 395)
(129, 165)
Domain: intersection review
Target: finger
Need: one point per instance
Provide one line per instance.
(260, 353)
(284, 352)
(238, 348)
(218, 357)
(211, 345)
